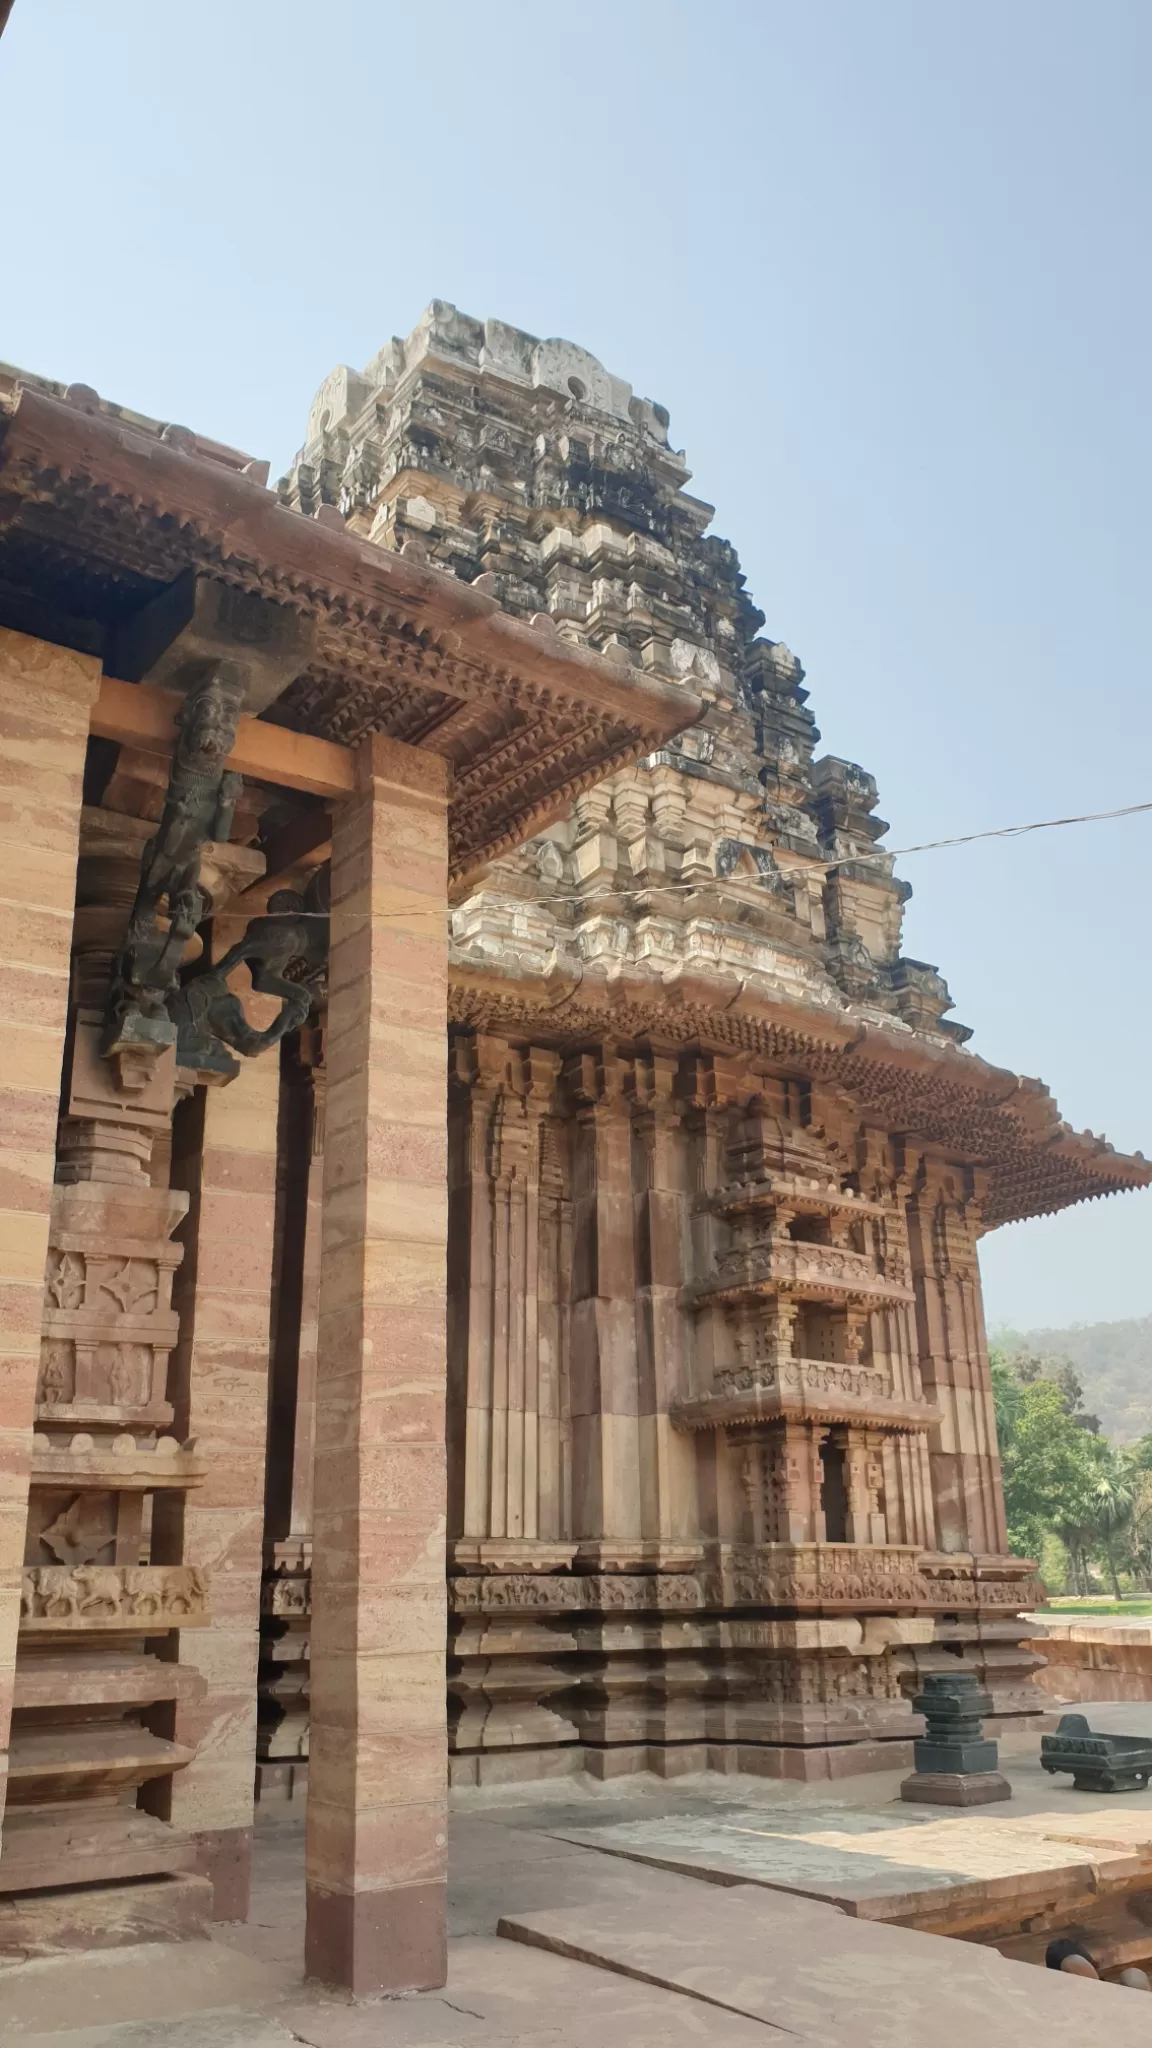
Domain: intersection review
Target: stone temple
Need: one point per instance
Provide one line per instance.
(490, 1214)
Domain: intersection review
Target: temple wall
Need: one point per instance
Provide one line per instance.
(568, 1567)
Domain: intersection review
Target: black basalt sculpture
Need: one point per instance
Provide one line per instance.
(1099, 1763)
(955, 1763)
(198, 808)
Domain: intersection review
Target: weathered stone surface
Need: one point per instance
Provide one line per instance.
(105, 1915)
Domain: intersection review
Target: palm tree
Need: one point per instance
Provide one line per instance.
(1112, 1503)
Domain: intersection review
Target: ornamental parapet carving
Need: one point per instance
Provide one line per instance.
(884, 1595)
(804, 1390)
(806, 1272)
(963, 1582)
(801, 1196)
(137, 1599)
(820, 1575)
(588, 1593)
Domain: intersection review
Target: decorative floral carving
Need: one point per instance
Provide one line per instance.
(134, 1285)
(65, 1279)
(82, 1530)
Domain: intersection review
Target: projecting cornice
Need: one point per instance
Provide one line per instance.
(101, 510)
(936, 1094)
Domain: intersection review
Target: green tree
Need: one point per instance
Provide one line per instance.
(1051, 1465)
(1112, 1502)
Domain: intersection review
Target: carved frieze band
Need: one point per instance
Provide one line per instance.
(774, 1575)
(143, 1599)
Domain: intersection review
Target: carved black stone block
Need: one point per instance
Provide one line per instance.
(955, 1764)
(1098, 1763)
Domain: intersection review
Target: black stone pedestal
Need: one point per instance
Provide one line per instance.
(956, 1788)
(955, 1765)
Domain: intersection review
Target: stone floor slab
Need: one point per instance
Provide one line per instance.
(543, 2001)
(840, 1984)
(880, 1867)
(123, 1987)
(232, 2029)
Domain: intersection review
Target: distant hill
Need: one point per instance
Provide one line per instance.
(1113, 1362)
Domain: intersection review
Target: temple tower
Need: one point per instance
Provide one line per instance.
(723, 1477)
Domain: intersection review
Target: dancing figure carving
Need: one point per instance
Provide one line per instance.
(286, 951)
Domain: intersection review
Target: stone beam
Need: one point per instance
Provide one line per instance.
(140, 716)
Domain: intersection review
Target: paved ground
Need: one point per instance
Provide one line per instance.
(599, 1951)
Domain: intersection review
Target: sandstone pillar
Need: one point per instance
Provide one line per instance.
(606, 1495)
(953, 1359)
(46, 695)
(377, 1837)
(667, 1456)
(224, 1154)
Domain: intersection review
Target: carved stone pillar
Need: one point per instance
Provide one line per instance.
(667, 1460)
(507, 1274)
(89, 1701)
(606, 1494)
(377, 1844)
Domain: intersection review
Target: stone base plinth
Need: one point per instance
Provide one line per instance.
(813, 1763)
(105, 1916)
(956, 1788)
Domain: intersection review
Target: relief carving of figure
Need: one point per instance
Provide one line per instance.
(141, 1592)
(286, 951)
(55, 1382)
(198, 808)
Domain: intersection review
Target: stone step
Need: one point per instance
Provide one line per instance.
(46, 1847)
(86, 1759)
(143, 1909)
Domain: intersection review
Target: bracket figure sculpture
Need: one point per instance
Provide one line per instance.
(198, 807)
(286, 951)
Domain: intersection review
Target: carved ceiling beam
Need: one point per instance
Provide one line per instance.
(141, 716)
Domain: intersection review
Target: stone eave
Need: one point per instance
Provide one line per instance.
(108, 510)
(782, 1404)
(1003, 1123)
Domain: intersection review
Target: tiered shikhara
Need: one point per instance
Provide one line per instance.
(723, 1470)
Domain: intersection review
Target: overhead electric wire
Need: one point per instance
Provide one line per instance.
(660, 887)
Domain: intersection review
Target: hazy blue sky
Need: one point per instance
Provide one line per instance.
(886, 262)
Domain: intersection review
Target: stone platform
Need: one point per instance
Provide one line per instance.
(810, 1930)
